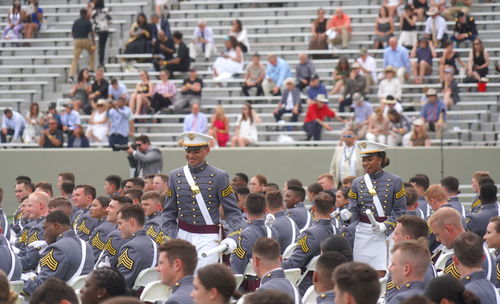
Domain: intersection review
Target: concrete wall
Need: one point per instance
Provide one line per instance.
(278, 164)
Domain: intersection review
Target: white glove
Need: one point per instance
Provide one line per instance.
(379, 227)
(39, 245)
(231, 245)
(269, 220)
(345, 215)
(104, 263)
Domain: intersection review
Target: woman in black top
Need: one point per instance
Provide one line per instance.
(449, 58)
(318, 29)
(478, 62)
(408, 26)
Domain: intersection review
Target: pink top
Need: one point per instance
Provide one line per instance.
(165, 88)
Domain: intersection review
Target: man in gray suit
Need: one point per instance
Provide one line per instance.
(147, 157)
(290, 101)
(346, 161)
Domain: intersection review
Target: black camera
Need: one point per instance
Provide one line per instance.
(123, 147)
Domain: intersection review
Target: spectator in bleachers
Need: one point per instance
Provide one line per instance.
(102, 20)
(33, 20)
(408, 26)
(52, 112)
(389, 102)
(246, 127)
(163, 50)
(276, 72)
(117, 90)
(462, 6)
(392, 6)
(181, 61)
(121, 123)
(450, 88)
(341, 24)
(84, 39)
(356, 83)
(159, 6)
(231, 62)
(378, 127)
(52, 137)
(290, 102)
(304, 70)
(478, 62)
(70, 119)
(241, 35)
(141, 97)
(340, 74)
(384, 27)
(368, 66)
(419, 7)
(13, 125)
(139, 36)
(422, 54)
(196, 121)
(78, 139)
(158, 25)
(190, 92)
(314, 121)
(434, 112)
(99, 88)
(203, 41)
(97, 130)
(34, 124)
(164, 92)
(464, 29)
(362, 112)
(449, 58)
(315, 88)
(399, 126)
(219, 127)
(390, 85)
(15, 24)
(397, 57)
(254, 75)
(79, 92)
(436, 29)
(418, 136)
(319, 40)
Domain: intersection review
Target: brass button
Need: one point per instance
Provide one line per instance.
(209, 189)
(178, 174)
(178, 188)
(388, 179)
(194, 203)
(386, 190)
(210, 203)
(208, 208)
(177, 195)
(194, 222)
(386, 195)
(178, 181)
(388, 185)
(182, 214)
(210, 182)
(210, 195)
(194, 209)
(194, 215)
(360, 197)
(212, 175)
(179, 208)
(194, 177)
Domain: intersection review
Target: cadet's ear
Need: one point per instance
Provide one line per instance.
(65, 302)
(315, 277)
(455, 260)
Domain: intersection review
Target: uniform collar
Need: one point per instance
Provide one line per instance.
(377, 174)
(279, 214)
(489, 206)
(67, 233)
(257, 222)
(327, 296)
(198, 168)
(453, 199)
(141, 232)
(477, 275)
(187, 280)
(413, 285)
(322, 221)
(273, 274)
(298, 205)
(153, 216)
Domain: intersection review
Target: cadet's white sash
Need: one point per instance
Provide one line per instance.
(376, 200)
(155, 253)
(199, 197)
(82, 262)
(12, 261)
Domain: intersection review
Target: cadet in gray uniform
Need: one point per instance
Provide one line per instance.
(31, 255)
(412, 202)
(421, 182)
(151, 203)
(492, 239)
(266, 263)
(194, 194)
(9, 263)
(309, 244)
(4, 223)
(294, 201)
(100, 233)
(63, 258)
(478, 221)
(450, 186)
(22, 189)
(322, 277)
(468, 256)
(479, 178)
(140, 251)
(83, 223)
(287, 228)
(384, 195)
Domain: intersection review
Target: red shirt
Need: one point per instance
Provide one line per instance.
(343, 21)
(314, 112)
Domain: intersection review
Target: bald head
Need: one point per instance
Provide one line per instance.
(272, 59)
(393, 43)
(303, 58)
(37, 204)
(339, 12)
(446, 225)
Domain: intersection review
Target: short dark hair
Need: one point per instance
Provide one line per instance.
(420, 181)
(88, 190)
(242, 190)
(149, 176)
(359, 280)
(7, 111)
(315, 188)
(327, 262)
(163, 177)
(451, 183)
(114, 180)
(485, 180)
(267, 249)
(111, 280)
(122, 199)
(255, 204)
(243, 176)
(337, 243)
(488, 193)
(323, 202)
(496, 220)
(137, 181)
(468, 248)
(153, 195)
(447, 287)
(83, 12)
(103, 200)
(135, 194)
(143, 138)
(416, 299)
(23, 179)
(58, 217)
(53, 291)
(67, 176)
(133, 211)
(182, 250)
(46, 187)
(68, 187)
(294, 182)
(114, 81)
(298, 191)
(273, 185)
(60, 202)
(218, 276)
(268, 296)
(274, 200)
(411, 194)
(177, 35)
(261, 178)
(414, 226)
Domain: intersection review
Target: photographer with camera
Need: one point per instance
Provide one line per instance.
(147, 157)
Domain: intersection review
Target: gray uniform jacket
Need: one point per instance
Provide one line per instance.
(327, 297)
(85, 225)
(408, 290)
(99, 237)
(392, 290)
(153, 228)
(276, 280)
(489, 267)
(476, 204)
(31, 256)
(455, 203)
(497, 269)
(61, 259)
(478, 284)
(6, 260)
(417, 212)
(77, 213)
(286, 228)
(136, 255)
(477, 222)
(22, 239)
(112, 246)
(241, 255)
(18, 222)
(181, 292)
(300, 215)
(4, 224)
(424, 206)
(390, 191)
(150, 162)
(181, 204)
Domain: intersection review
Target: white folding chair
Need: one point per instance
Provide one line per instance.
(310, 267)
(16, 286)
(77, 283)
(441, 261)
(239, 280)
(249, 270)
(309, 296)
(146, 276)
(289, 250)
(155, 291)
(293, 275)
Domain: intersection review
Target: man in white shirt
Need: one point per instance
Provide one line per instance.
(196, 121)
(368, 66)
(13, 124)
(346, 160)
(203, 41)
(435, 27)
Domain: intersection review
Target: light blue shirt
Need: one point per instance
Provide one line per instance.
(363, 112)
(119, 121)
(208, 35)
(397, 58)
(71, 119)
(196, 123)
(16, 123)
(115, 94)
(279, 72)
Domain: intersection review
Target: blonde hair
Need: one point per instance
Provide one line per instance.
(436, 192)
(219, 112)
(478, 174)
(446, 216)
(416, 253)
(422, 134)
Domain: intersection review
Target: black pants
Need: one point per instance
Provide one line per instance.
(245, 88)
(313, 130)
(117, 139)
(176, 67)
(301, 86)
(279, 114)
(159, 102)
(9, 132)
(345, 104)
(103, 38)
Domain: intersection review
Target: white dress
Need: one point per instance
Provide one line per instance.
(226, 67)
(242, 37)
(99, 130)
(248, 130)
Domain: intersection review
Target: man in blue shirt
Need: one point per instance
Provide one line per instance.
(434, 112)
(196, 121)
(13, 124)
(276, 72)
(315, 88)
(117, 90)
(362, 111)
(397, 56)
(121, 123)
(70, 119)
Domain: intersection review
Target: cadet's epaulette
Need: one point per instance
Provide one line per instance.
(97, 243)
(401, 192)
(109, 247)
(390, 285)
(302, 243)
(83, 228)
(125, 260)
(161, 238)
(49, 261)
(33, 237)
(151, 232)
(476, 203)
(23, 239)
(390, 223)
(352, 195)
(467, 219)
(430, 229)
(498, 271)
(234, 233)
(227, 191)
(452, 269)
(169, 192)
(239, 251)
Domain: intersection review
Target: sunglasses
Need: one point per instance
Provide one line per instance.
(347, 136)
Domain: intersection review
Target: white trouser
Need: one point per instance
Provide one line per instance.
(381, 138)
(195, 49)
(203, 242)
(268, 85)
(372, 248)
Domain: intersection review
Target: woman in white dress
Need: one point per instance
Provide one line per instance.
(231, 61)
(34, 123)
(97, 130)
(241, 35)
(246, 127)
